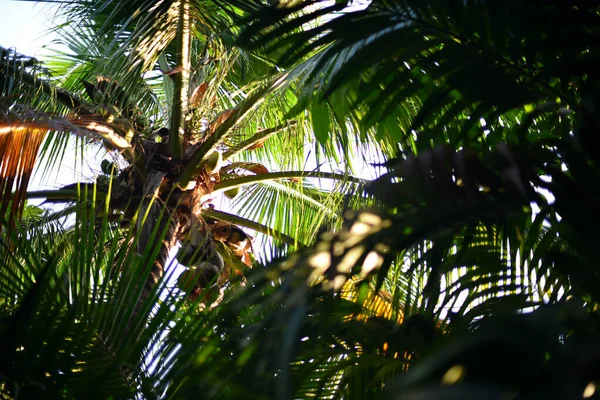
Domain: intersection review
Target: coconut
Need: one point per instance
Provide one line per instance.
(232, 193)
(186, 281)
(107, 167)
(214, 162)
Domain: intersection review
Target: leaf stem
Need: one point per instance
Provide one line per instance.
(181, 79)
(247, 180)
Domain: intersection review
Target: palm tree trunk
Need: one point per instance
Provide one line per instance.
(156, 227)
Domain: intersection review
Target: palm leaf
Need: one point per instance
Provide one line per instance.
(424, 58)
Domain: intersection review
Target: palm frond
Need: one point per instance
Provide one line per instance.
(428, 56)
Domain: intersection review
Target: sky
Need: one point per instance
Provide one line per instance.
(24, 26)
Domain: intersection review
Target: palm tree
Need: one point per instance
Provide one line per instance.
(492, 106)
(173, 156)
(412, 297)
(170, 150)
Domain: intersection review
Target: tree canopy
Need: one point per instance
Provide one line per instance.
(466, 269)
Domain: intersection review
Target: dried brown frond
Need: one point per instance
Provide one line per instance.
(19, 145)
(220, 119)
